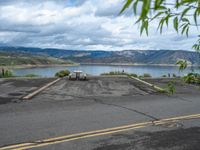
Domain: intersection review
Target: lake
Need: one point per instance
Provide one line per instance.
(155, 71)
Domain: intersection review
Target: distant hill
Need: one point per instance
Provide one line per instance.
(18, 58)
(167, 57)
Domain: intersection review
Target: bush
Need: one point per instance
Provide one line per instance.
(115, 73)
(120, 73)
(7, 73)
(164, 76)
(133, 75)
(31, 75)
(170, 88)
(62, 73)
(174, 75)
(192, 78)
(146, 75)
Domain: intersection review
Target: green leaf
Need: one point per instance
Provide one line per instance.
(157, 15)
(145, 9)
(167, 19)
(157, 3)
(187, 30)
(176, 24)
(142, 28)
(185, 20)
(177, 4)
(184, 28)
(127, 4)
(196, 46)
(160, 26)
(185, 11)
(183, 25)
(195, 16)
(161, 8)
(135, 7)
(146, 27)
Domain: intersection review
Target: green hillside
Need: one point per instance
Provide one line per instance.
(12, 59)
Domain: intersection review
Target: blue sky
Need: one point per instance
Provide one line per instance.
(81, 24)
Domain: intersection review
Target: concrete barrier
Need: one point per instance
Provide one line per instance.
(31, 95)
(149, 84)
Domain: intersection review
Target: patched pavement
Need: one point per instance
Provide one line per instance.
(12, 90)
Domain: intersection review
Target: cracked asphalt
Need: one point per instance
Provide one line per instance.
(70, 107)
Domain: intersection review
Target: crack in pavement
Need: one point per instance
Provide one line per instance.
(182, 99)
(119, 106)
(130, 109)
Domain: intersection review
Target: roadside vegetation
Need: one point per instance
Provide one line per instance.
(116, 73)
(192, 77)
(170, 75)
(180, 14)
(145, 75)
(170, 88)
(62, 73)
(5, 73)
(119, 73)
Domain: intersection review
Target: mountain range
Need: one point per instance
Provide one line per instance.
(151, 57)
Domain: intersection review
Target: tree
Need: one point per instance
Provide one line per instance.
(182, 64)
(183, 14)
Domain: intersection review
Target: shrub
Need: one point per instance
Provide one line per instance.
(146, 75)
(115, 73)
(120, 73)
(133, 75)
(7, 73)
(164, 75)
(192, 78)
(174, 75)
(170, 88)
(62, 73)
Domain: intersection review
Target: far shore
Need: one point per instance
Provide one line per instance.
(135, 64)
(39, 66)
(78, 64)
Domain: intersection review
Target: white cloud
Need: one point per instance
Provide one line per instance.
(80, 24)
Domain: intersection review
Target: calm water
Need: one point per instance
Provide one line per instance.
(155, 71)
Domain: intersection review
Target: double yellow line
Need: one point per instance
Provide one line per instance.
(66, 138)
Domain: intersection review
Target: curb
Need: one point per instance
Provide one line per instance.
(149, 84)
(31, 95)
(110, 76)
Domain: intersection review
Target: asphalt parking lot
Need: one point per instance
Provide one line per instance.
(12, 90)
(102, 103)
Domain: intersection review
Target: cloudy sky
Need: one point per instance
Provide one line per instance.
(80, 24)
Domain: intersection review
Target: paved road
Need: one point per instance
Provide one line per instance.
(70, 107)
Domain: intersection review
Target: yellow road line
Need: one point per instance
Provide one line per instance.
(15, 146)
(76, 138)
(94, 133)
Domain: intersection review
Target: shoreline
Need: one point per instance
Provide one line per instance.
(103, 64)
(38, 66)
(130, 64)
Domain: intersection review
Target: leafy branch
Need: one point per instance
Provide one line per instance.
(179, 11)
